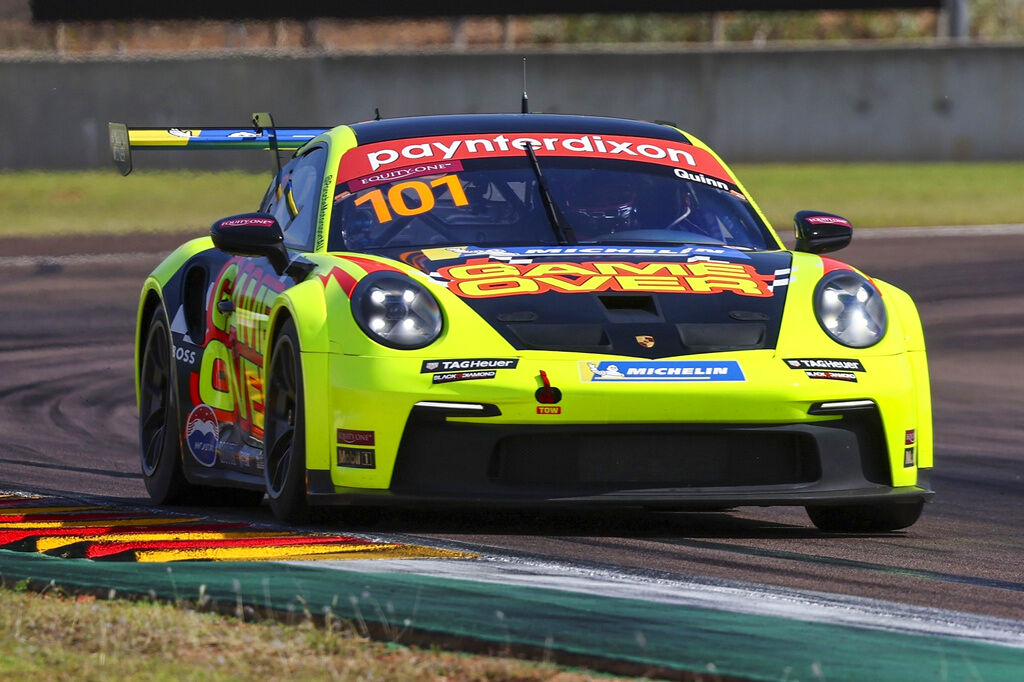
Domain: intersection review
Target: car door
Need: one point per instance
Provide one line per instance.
(246, 288)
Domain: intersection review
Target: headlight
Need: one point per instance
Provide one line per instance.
(396, 311)
(850, 309)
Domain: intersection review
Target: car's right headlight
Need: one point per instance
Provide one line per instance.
(850, 309)
(395, 311)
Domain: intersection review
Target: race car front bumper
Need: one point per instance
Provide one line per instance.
(827, 452)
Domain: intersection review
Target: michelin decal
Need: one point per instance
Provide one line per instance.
(612, 371)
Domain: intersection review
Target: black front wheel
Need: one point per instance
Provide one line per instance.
(284, 430)
(160, 447)
(866, 518)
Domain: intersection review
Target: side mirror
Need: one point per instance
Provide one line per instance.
(818, 232)
(252, 234)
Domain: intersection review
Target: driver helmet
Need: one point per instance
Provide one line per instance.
(695, 217)
(600, 205)
(358, 230)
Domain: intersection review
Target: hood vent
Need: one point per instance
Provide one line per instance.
(711, 338)
(582, 338)
(631, 308)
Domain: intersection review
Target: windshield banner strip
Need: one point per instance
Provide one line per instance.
(381, 158)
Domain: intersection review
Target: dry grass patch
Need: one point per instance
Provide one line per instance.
(54, 637)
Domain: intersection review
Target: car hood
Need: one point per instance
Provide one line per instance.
(640, 301)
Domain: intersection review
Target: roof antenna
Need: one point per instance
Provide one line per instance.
(526, 101)
(376, 113)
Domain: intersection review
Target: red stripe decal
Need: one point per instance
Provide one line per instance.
(106, 549)
(9, 536)
(370, 265)
(830, 264)
(346, 281)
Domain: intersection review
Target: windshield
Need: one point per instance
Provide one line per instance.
(497, 202)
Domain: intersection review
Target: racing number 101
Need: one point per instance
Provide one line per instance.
(398, 204)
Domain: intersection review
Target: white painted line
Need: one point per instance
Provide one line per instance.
(719, 595)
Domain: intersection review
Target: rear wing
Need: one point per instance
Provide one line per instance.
(261, 135)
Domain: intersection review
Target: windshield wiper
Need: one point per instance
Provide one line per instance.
(563, 230)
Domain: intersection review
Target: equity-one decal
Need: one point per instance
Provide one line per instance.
(382, 156)
(482, 278)
(230, 376)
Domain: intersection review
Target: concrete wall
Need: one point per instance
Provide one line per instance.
(912, 103)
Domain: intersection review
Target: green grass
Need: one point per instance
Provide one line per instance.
(870, 195)
(890, 194)
(65, 638)
(103, 202)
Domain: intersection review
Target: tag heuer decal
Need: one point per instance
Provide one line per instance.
(840, 364)
(430, 366)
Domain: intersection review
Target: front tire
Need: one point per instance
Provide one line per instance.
(160, 447)
(284, 439)
(866, 518)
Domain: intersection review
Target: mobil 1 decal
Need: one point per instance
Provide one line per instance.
(835, 369)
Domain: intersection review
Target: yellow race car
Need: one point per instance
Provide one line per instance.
(522, 309)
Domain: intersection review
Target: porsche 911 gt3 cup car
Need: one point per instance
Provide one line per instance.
(523, 310)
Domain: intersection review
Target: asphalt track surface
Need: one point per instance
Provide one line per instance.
(68, 426)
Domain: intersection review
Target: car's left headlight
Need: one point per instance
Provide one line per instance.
(850, 309)
(396, 311)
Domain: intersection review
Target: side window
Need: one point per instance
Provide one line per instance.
(293, 200)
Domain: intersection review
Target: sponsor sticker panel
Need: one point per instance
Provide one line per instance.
(381, 157)
(622, 371)
(840, 364)
(463, 364)
(484, 278)
(829, 374)
(404, 173)
(510, 252)
(828, 220)
(353, 437)
(357, 458)
(247, 221)
(201, 433)
(450, 377)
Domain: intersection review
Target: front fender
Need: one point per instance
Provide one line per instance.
(305, 304)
